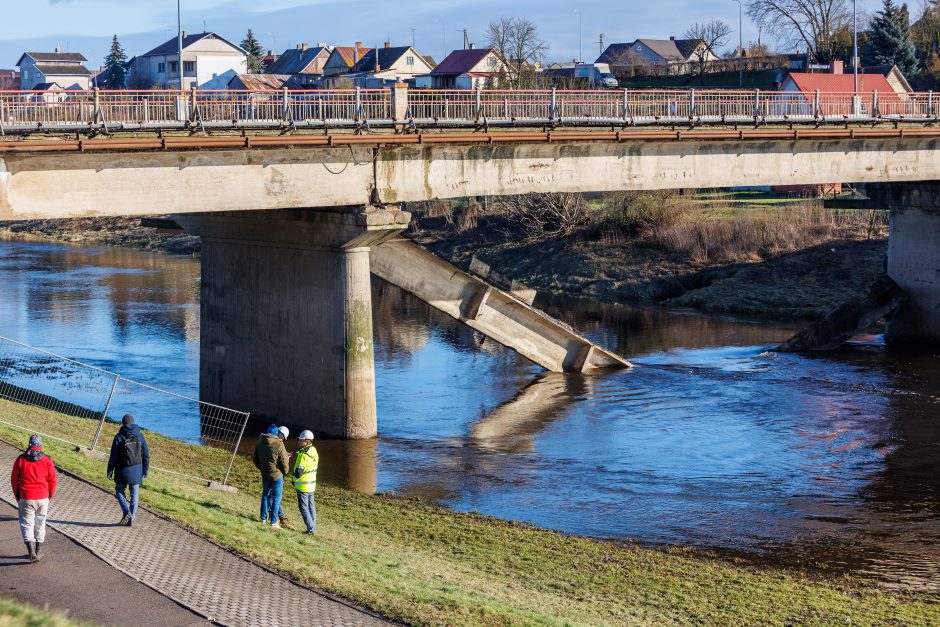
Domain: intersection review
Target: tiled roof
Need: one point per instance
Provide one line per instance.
(171, 46)
(348, 54)
(387, 58)
(294, 61)
(672, 49)
(808, 82)
(460, 61)
(56, 56)
(63, 69)
(263, 82)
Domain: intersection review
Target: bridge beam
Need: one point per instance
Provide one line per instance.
(913, 259)
(286, 314)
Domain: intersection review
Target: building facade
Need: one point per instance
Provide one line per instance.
(53, 70)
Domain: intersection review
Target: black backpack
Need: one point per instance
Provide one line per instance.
(133, 451)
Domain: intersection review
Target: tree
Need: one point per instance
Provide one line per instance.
(255, 53)
(812, 24)
(890, 39)
(115, 67)
(712, 36)
(516, 40)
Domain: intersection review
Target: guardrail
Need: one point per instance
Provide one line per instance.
(402, 108)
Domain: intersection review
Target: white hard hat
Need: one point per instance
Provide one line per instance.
(284, 431)
(306, 434)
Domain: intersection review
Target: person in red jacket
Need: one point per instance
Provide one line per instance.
(33, 482)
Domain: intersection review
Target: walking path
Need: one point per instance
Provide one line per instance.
(183, 566)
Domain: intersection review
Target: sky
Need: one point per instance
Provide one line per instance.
(86, 26)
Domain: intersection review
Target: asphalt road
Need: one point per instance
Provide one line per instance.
(70, 579)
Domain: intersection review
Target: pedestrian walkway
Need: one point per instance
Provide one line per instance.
(183, 566)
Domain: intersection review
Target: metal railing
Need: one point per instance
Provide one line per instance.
(363, 109)
(85, 396)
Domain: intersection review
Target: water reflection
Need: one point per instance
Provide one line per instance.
(711, 440)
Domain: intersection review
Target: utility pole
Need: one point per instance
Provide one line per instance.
(179, 42)
(578, 11)
(466, 40)
(740, 46)
(443, 39)
(855, 47)
(412, 36)
(600, 43)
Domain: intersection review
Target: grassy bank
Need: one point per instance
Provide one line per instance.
(427, 565)
(17, 614)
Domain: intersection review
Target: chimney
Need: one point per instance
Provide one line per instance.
(388, 44)
(473, 46)
(672, 37)
(837, 67)
(304, 46)
(184, 34)
(58, 50)
(356, 52)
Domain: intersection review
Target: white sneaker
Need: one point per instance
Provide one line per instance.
(276, 526)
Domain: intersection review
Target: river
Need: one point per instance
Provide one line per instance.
(711, 441)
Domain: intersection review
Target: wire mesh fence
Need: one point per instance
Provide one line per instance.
(84, 398)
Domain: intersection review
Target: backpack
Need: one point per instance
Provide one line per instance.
(133, 453)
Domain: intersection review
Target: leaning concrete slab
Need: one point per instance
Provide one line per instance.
(509, 320)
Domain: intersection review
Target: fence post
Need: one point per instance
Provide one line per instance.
(816, 104)
(104, 414)
(231, 462)
(626, 105)
(192, 103)
(479, 103)
(285, 103)
(553, 105)
(691, 104)
(358, 102)
(97, 111)
(874, 103)
(930, 103)
(756, 103)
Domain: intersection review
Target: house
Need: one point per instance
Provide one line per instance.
(383, 66)
(62, 68)
(343, 58)
(9, 80)
(264, 82)
(892, 73)
(679, 55)
(209, 62)
(475, 68)
(303, 62)
(836, 81)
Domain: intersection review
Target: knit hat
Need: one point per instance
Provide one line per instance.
(35, 440)
(127, 420)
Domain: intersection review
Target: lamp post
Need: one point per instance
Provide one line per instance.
(578, 11)
(443, 39)
(855, 46)
(179, 42)
(740, 46)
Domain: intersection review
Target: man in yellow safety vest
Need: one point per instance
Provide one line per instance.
(305, 479)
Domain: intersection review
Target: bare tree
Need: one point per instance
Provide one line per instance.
(712, 36)
(814, 24)
(517, 41)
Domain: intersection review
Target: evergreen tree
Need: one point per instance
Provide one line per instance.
(890, 39)
(255, 53)
(115, 67)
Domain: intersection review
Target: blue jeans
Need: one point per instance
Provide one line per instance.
(271, 490)
(308, 510)
(135, 492)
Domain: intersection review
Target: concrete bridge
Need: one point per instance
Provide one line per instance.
(293, 224)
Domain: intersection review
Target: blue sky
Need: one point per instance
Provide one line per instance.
(86, 25)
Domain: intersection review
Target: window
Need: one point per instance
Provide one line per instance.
(189, 67)
(174, 66)
(410, 60)
(161, 68)
(25, 75)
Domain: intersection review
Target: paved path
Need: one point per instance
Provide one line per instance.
(72, 580)
(183, 566)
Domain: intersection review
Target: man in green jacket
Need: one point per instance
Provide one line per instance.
(305, 479)
(271, 458)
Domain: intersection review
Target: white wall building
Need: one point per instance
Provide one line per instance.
(209, 62)
(53, 70)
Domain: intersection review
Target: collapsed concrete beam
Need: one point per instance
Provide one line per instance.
(489, 310)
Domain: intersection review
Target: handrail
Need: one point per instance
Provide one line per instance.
(106, 111)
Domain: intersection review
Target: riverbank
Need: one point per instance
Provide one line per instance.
(745, 254)
(427, 565)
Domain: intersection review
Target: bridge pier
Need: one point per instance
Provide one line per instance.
(913, 259)
(286, 314)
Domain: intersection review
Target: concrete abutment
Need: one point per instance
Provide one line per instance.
(286, 319)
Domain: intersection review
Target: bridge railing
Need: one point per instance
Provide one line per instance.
(426, 108)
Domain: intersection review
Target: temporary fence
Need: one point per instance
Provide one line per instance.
(400, 107)
(86, 397)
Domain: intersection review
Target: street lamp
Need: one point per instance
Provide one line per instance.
(578, 11)
(740, 46)
(443, 39)
(179, 42)
(855, 45)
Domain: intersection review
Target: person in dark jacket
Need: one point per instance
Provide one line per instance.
(271, 458)
(128, 466)
(33, 481)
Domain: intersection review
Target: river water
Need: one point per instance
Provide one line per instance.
(712, 441)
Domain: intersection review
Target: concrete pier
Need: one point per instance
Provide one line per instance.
(913, 260)
(286, 320)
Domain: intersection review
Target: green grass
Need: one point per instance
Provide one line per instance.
(17, 614)
(427, 565)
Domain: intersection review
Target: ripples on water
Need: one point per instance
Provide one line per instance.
(711, 440)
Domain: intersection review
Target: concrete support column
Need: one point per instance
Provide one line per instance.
(286, 315)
